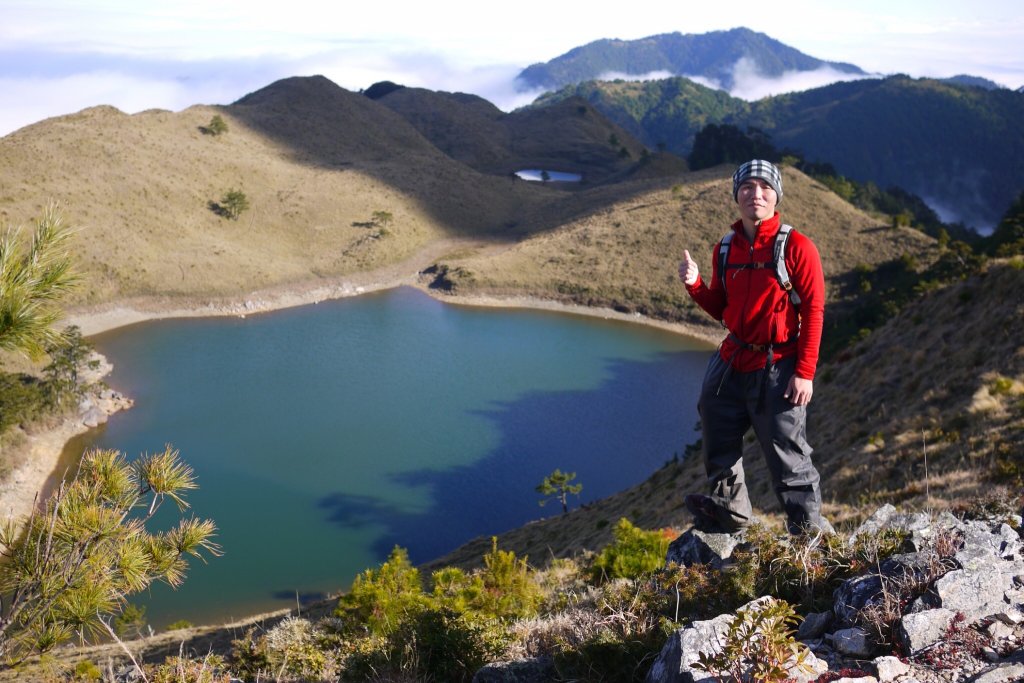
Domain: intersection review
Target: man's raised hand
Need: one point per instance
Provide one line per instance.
(688, 270)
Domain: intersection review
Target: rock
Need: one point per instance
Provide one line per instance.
(853, 642)
(857, 593)
(918, 631)
(536, 670)
(998, 631)
(813, 625)
(94, 417)
(683, 648)
(675, 663)
(984, 582)
(977, 593)
(1000, 673)
(700, 547)
(890, 668)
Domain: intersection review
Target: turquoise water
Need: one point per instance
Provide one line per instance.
(322, 436)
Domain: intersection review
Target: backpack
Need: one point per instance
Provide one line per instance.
(778, 260)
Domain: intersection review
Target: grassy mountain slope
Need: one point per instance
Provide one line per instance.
(571, 137)
(314, 160)
(927, 413)
(624, 254)
(712, 55)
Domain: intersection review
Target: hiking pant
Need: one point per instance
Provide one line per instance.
(728, 408)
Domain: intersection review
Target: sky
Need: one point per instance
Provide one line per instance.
(60, 56)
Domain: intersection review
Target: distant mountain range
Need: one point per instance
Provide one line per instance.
(957, 146)
(711, 56)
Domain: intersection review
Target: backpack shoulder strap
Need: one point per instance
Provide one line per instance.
(723, 256)
(779, 256)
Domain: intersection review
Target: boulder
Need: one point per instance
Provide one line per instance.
(535, 670)
(676, 662)
(923, 629)
(701, 547)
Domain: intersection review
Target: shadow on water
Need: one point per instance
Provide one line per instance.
(610, 440)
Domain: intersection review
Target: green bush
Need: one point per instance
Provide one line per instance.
(86, 670)
(381, 599)
(509, 591)
(759, 646)
(216, 126)
(608, 657)
(434, 645)
(22, 399)
(456, 590)
(634, 552)
(293, 648)
(209, 669)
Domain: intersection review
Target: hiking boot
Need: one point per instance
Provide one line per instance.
(705, 514)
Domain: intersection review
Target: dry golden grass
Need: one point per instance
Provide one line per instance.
(622, 246)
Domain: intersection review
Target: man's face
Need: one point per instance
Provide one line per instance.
(757, 199)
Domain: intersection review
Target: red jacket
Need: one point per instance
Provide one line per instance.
(756, 309)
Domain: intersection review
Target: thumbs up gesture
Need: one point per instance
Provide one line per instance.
(688, 270)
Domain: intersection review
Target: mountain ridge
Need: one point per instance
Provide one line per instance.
(878, 130)
(712, 55)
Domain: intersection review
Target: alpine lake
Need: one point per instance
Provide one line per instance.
(325, 435)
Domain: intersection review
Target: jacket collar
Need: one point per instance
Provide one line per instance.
(765, 232)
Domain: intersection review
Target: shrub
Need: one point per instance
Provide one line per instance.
(22, 399)
(292, 648)
(86, 670)
(634, 552)
(509, 590)
(216, 126)
(380, 600)
(456, 590)
(233, 203)
(434, 645)
(209, 669)
(131, 622)
(759, 646)
(607, 657)
(69, 354)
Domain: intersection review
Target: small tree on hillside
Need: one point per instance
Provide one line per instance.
(216, 126)
(233, 203)
(557, 485)
(382, 218)
(34, 277)
(68, 356)
(73, 565)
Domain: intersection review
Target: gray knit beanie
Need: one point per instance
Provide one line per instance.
(757, 168)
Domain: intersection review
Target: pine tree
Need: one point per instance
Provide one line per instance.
(557, 484)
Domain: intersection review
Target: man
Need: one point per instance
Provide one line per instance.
(762, 375)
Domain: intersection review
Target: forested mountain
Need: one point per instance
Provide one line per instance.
(712, 55)
(958, 146)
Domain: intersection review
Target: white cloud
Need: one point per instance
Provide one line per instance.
(751, 85)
